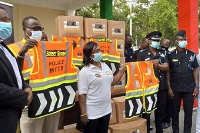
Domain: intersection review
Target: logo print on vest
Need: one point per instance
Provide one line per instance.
(98, 75)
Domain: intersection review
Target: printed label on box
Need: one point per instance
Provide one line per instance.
(124, 114)
(98, 27)
(71, 25)
(120, 47)
(116, 31)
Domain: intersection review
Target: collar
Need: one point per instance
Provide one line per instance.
(91, 66)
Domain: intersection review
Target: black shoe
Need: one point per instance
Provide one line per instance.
(165, 125)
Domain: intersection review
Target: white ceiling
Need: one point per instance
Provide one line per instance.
(55, 4)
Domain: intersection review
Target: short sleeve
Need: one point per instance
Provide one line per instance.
(195, 63)
(82, 82)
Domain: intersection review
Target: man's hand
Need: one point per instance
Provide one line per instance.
(30, 43)
(196, 92)
(84, 119)
(155, 62)
(170, 93)
(28, 91)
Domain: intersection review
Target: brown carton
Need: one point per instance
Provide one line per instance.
(113, 118)
(70, 26)
(121, 47)
(116, 29)
(119, 88)
(120, 110)
(95, 28)
(137, 126)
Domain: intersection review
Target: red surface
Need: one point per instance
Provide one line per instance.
(188, 20)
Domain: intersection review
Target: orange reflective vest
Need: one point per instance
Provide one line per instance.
(113, 54)
(78, 50)
(27, 66)
(53, 79)
(141, 89)
(103, 47)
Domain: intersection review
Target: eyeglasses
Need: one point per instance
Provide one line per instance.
(35, 28)
(5, 19)
(96, 51)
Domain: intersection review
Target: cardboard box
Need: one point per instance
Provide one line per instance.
(95, 28)
(113, 117)
(121, 47)
(137, 126)
(119, 88)
(120, 110)
(116, 29)
(70, 26)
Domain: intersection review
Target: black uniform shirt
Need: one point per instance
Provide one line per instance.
(181, 66)
(146, 55)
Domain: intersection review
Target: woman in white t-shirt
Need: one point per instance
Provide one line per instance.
(94, 86)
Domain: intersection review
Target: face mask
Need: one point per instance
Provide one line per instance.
(97, 57)
(5, 30)
(182, 44)
(155, 44)
(37, 35)
(163, 47)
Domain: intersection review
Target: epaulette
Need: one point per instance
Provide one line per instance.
(190, 51)
(143, 50)
(171, 52)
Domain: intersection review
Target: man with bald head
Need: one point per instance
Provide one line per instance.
(14, 92)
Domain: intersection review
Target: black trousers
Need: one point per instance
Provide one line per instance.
(188, 101)
(168, 111)
(99, 125)
(147, 117)
(159, 112)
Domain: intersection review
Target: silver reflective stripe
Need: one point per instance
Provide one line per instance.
(151, 90)
(112, 47)
(26, 74)
(113, 58)
(77, 62)
(52, 81)
(59, 39)
(27, 57)
(44, 58)
(133, 74)
(81, 42)
(133, 94)
(67, 55)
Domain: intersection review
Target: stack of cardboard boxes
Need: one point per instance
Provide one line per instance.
(76, 26)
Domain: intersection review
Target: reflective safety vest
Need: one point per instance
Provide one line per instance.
(141, 89)
(113, 56)
(27, 66)
(53, 79)
(103, 47)
(77, 51)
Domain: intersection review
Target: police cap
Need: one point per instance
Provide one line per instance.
(181, 33)
(155, 35)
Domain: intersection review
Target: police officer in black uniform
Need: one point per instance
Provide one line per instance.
(160, 61)
(183, 81)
